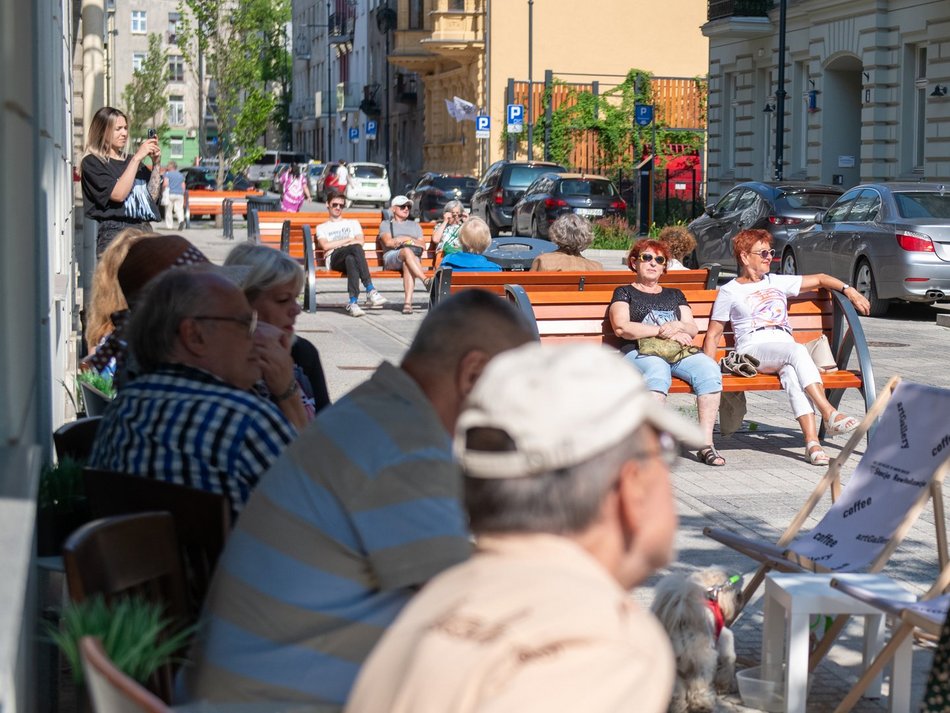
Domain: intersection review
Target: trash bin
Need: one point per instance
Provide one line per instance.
(255, 204)
(517, 253)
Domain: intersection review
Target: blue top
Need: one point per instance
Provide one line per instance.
(470, 262)
(176, 182)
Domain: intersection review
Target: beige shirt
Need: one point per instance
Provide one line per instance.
(562, 262)
(530, 623)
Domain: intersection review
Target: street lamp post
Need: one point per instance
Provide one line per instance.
(530, 80)
(780, 95)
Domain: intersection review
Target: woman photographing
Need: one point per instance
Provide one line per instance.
(118, 190)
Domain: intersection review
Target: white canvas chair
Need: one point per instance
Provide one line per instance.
(928, 614)
(869, 517)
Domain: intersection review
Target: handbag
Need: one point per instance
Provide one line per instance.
(820, 351)
(669, 350)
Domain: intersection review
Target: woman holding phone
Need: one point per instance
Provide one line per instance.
(446, 234)
(118, 190)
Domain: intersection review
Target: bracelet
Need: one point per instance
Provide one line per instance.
(291, 390)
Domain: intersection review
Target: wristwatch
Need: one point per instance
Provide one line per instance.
(844, 286)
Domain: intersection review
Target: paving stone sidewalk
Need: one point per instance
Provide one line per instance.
(765, 481)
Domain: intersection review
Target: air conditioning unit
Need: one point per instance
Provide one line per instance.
(192, 133)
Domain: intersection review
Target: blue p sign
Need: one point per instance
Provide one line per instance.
(515, 114)
(482, 123)
(371, 130)
(354, 134)
(643, 114)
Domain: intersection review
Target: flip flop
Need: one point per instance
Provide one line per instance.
(840, 424)
(407, 308)
(816, 456)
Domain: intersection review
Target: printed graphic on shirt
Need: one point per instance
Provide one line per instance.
(659, 316)
(768, 308)
(138, 203)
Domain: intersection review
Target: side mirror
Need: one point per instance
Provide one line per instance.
(819, 217)
(710, 211)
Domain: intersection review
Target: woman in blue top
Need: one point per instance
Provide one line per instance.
(475, 238)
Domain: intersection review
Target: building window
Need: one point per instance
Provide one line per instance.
(176, 110)
(457, 5)
(176, 68)
(415, 14)
(920, 106)
(176, 148)
(173, 19)
(138, 59)
(139, 23)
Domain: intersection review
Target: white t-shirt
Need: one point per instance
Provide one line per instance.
(342, 176)
(758, 310)
(337, 229)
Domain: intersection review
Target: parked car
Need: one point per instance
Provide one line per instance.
(554, 194)
(431, 192)
(890, 240)
(263, 168)
(205, 178)
(314, 169)
(783, 209)
(367, 183)
(502, 186)
(318, 188)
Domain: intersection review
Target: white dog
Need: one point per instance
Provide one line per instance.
(693, 610)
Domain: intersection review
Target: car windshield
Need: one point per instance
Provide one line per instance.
(923, 205)
(585, 187)
(365, 171)
(523, 176)
(447, 183)
(315, 170)
(806, 199)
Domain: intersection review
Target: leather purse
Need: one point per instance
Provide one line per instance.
(669, 350)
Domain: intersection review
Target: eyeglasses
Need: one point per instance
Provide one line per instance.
(404, 205)
(764, 254)
(335, 205)
(650, 257)
(668, 452)
(250, 322)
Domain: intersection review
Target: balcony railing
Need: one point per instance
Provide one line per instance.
(718, 9)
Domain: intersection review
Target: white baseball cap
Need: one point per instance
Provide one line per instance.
(560, 405)
(400, 200)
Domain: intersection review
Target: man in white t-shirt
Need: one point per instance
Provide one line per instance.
(342, 243)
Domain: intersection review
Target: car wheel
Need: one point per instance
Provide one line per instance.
(789, 266)
(535, 228)
(690, 262)
(864, 283)
(493, 229)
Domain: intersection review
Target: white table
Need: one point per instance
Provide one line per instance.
(790, 601)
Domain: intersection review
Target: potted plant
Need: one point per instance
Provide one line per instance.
(138, 638)
(61, 505)
(97, 391)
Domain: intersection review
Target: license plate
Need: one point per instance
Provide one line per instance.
(369, 184)
(589, 211)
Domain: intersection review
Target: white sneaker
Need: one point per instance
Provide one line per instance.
(375, 300)
(354, 310)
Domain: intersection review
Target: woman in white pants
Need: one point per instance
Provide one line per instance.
(757, 305)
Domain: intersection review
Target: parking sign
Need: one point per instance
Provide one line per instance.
(482, 126)
(643, 114)
(515, 115)
(371, 130)
(354, 134)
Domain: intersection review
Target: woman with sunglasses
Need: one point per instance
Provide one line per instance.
(643, 309)
(756, 303)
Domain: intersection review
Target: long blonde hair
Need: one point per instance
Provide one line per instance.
(107, 296)
(98, 142)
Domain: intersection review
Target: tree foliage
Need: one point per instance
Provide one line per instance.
(144, 96)
(238, 43)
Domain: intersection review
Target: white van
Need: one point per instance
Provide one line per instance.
(263, 168)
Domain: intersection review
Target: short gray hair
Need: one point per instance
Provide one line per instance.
(572, 233)
(269, 268)
(167, 300)
(452, 205)
(560, 502)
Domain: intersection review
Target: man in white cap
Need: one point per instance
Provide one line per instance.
(566, 459)
(402, 241)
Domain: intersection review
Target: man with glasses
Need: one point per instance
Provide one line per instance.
(402, 240)
(341, 240)
(566, 460)
(191, 418)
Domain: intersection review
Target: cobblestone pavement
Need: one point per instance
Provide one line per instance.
(764, 483)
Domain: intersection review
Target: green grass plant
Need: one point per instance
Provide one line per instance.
(61, 488)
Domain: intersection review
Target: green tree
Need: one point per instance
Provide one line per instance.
(144, 96)
(237, 42)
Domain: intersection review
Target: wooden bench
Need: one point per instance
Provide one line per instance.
(209, 203)
(570, 316)
(447, 282)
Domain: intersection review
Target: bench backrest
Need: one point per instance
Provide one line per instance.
(210, 202)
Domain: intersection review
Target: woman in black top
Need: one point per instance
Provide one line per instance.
(118, 190)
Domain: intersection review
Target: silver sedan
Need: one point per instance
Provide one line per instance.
(890, 240)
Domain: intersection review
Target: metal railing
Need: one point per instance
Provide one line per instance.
(718, 9)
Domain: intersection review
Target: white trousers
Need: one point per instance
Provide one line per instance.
(175, 210)
(794, 366)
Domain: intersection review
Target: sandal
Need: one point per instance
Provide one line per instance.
(710, 456)
(427, 283)
(840, 424)
(816, 454)
(407, 308)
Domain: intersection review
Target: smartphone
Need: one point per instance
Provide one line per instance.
(152, 133)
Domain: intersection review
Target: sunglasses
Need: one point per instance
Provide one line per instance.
(764, 254)
(650, 257)
(404, 205)
(336, 205)
(250, 322)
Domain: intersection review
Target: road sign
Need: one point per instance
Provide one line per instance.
(482, 126)
(643, 114)
(515, 116)
(371, 130)
(354, 134)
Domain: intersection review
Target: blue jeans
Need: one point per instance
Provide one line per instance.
(699, 371)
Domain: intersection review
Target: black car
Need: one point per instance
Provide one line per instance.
(205, 178)
(554, 194)
(502, 186)
(781, 208)
(434, 190)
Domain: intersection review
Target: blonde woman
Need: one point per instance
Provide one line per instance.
(475, 238)
(572, 234)
(118, 190)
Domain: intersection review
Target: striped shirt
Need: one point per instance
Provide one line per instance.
(183, 425)
(359, 511)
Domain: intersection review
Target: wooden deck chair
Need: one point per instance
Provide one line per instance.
(110, 690)
(928, 614)
(869, 517)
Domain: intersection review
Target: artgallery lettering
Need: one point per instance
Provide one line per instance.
(902, 417)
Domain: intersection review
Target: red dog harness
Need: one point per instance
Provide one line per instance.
(718, 618)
